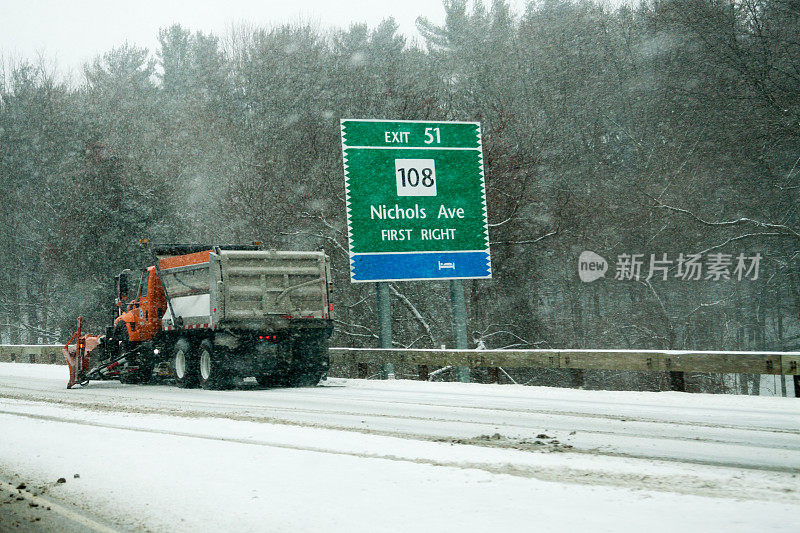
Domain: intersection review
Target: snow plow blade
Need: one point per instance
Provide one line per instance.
(77, 355)
(75, 370)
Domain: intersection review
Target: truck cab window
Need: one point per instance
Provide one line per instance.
(143, 284)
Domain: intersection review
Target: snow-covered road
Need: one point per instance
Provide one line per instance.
(354, 455)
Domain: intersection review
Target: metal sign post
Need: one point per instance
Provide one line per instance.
(416, 205)
(459, 324)
(384, 307)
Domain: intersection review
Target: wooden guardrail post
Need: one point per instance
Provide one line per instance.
(677, 381)
(790, 366)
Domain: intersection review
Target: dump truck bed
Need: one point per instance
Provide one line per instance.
(249, 289)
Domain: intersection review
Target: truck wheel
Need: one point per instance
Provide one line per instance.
(213, 374)
(185, 364)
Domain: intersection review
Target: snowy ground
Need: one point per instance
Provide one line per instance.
(355, 455)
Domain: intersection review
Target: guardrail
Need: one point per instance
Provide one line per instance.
(777, 363)
(32, 353)
(358, 360)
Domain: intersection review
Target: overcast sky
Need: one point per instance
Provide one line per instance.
(72, 32)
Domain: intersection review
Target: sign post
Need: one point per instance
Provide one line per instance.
(416, 204)
(459, 313)
(383, 304)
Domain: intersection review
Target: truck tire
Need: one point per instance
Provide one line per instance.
(185, 364)
(213, 372)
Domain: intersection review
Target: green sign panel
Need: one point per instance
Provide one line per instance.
(416, 200)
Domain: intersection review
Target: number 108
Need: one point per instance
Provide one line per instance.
(415, 177)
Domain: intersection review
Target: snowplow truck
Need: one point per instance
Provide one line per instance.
(210, 316)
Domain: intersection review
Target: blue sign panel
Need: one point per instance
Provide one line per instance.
(420, 265)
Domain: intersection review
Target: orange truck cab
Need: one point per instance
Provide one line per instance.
(141, 316)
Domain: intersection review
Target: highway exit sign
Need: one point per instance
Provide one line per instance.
(416, 200)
